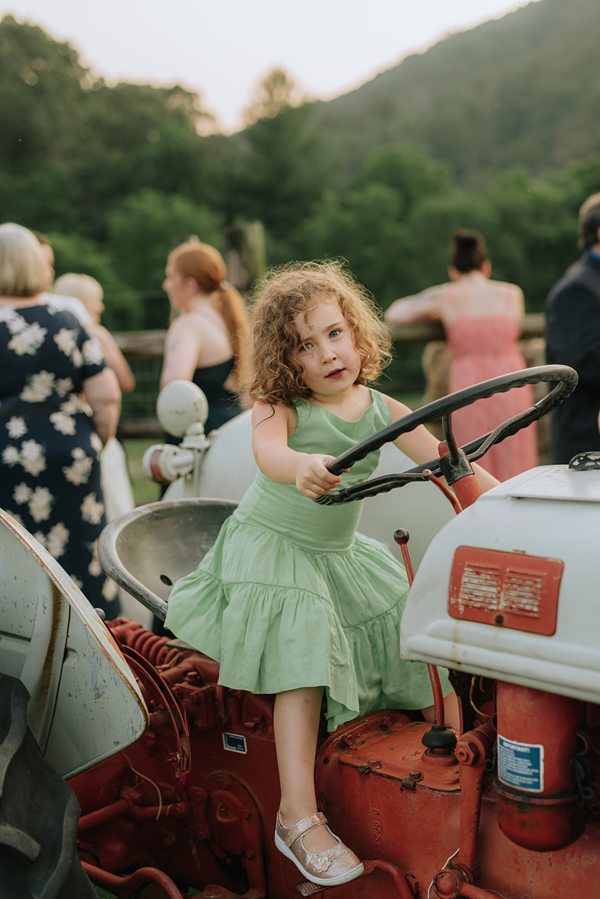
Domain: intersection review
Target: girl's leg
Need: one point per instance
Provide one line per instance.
(296, 726)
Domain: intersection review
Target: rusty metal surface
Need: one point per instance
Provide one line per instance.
(513, 590)
(402, 811)
(396, 750)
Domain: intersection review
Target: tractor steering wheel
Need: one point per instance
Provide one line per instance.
(456, 463)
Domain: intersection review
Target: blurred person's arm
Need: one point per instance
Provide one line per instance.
(422, 307)
(519, 301)
(182, 350)
(113, 356)
(104, 397)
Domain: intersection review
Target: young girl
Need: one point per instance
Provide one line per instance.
(290, 599)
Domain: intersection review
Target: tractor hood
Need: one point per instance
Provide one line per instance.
(510, 588)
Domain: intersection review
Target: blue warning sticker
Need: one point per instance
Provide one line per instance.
(234, 743)
(521, 765)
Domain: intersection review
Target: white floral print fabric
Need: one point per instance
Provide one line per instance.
(28, 340)
(49, 451)
(16, 427)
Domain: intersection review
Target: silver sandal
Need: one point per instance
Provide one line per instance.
(328, 868)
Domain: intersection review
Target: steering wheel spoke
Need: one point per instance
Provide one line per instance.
(383, 484)
(449, 436)
(563, 379)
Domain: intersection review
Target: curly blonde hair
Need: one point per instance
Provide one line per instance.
(273, 375)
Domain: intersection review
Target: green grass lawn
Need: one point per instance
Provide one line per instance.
(144, 490)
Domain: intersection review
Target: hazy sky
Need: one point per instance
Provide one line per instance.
(223, 48)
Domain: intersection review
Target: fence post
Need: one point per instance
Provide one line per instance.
(245, 254)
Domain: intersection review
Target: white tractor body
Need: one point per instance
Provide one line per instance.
(510, 588)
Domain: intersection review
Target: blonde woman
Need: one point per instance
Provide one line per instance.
(49, 439)
(116, 484)
(90, 292)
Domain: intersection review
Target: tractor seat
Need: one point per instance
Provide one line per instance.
(150, 548)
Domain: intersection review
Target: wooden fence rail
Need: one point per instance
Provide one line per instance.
(144, 351)
(149, 344)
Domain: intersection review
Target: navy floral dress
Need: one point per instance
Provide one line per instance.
(49, 450)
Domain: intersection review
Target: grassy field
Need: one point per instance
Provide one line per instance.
(144, 490)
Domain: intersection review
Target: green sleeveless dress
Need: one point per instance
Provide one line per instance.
(290, 595)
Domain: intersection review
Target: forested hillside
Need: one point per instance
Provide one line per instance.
(520, 91)
(495, 129)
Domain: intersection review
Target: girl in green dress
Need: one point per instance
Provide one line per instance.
(291, 599)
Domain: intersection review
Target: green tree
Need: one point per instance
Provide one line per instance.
(409, 172)
(142, 232)
(364, 228)
(41, 86)
(274, 93)
(371, 224)
(175, 161)
(119, 126)
(38, 199)
(282, 165)
(431, 227)
(535, 236)
(74, 253)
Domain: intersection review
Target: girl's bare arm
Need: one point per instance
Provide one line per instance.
(421, 446)
(271, 426)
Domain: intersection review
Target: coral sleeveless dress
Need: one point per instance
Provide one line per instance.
(291, 596)
(485, 347)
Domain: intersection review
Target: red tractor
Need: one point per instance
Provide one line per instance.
(504, 597)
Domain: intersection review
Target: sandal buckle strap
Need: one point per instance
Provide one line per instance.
(301, 827)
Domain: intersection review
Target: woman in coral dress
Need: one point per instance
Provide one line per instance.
(482, 322)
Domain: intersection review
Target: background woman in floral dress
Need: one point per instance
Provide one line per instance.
(49, 438)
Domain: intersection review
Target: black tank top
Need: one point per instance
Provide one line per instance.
(222, 403)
